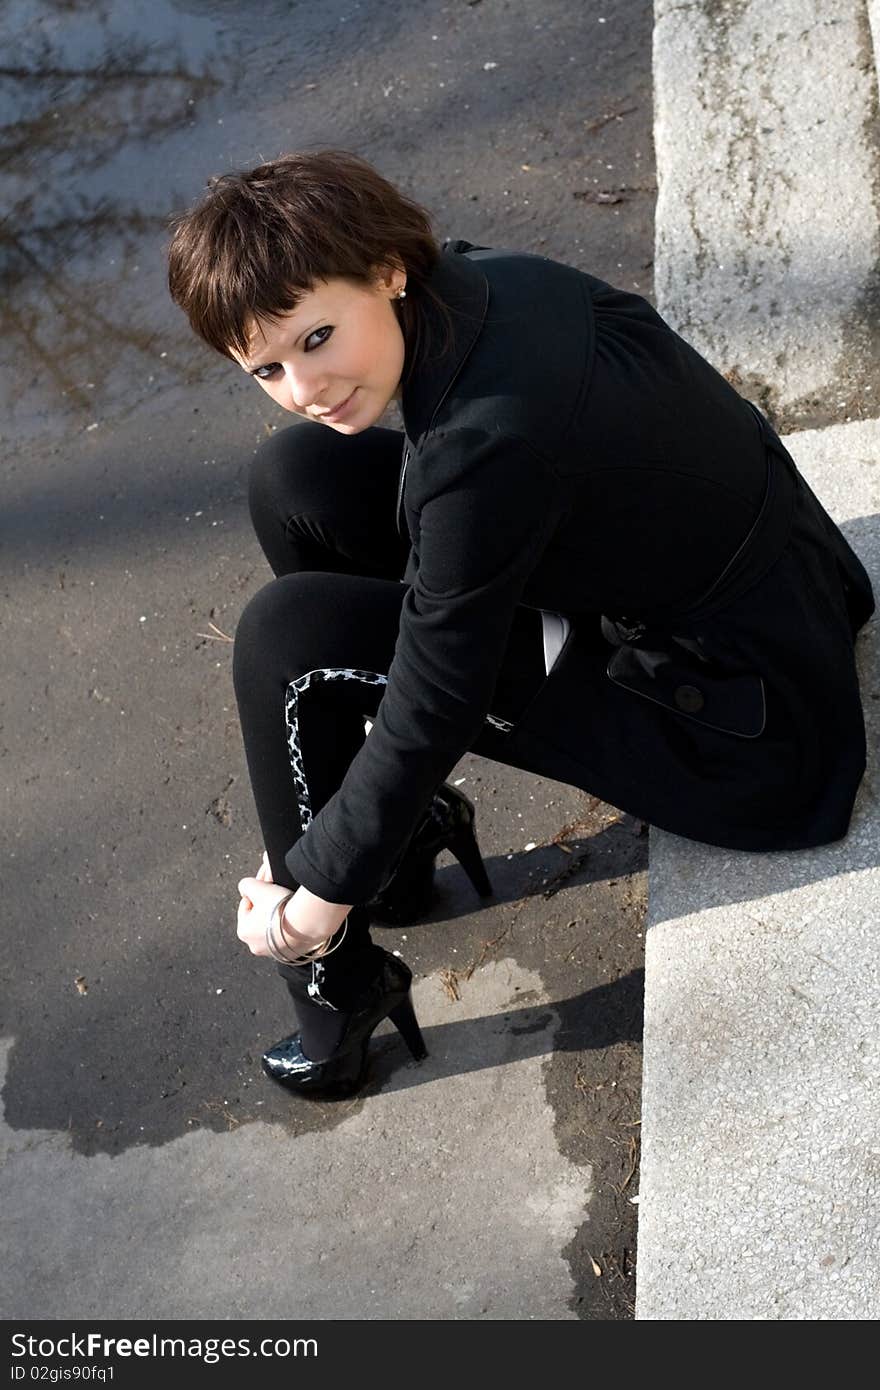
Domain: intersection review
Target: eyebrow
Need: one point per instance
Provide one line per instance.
(305, 332)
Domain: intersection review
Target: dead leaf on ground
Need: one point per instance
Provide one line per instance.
(633, 1155)
(449, 981)
(220, 1107)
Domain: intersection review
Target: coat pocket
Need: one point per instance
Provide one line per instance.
(693, 688)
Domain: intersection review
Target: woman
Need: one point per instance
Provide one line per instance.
(586, 557)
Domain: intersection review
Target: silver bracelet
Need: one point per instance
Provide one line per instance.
(277, 952)
(273, 950)
(323, 948)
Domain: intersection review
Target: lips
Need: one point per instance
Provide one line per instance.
(337, 409)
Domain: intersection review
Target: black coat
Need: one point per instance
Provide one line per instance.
(572, 453)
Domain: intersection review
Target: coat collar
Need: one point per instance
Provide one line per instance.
(463, 287)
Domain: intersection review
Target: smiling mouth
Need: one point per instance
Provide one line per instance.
(326, 414)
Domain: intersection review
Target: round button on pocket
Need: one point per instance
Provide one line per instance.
(689, 699)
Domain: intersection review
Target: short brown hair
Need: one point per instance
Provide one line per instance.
(258, 241)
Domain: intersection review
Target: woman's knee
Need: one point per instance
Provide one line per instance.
(267, 630)
(286, 626)
(320, 500)
(311, 619)
(288, 473)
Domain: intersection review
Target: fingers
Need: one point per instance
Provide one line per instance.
(243, 926)
(246, 890)
(258, 897)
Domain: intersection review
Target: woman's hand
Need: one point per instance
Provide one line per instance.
(259, 897)
(308, 919)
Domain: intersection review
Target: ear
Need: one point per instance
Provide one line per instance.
(390, 276)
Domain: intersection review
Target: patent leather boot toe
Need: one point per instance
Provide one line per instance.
(345, 1070)
(447, 824)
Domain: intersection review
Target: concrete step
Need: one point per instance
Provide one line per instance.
(760, 1173)
(760, 1140)
(767, 235)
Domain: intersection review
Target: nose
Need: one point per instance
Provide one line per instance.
(304, 385)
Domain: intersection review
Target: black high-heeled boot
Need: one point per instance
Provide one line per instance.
(343, 1072)
(447, 824)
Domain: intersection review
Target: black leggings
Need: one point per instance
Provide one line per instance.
(312, 650)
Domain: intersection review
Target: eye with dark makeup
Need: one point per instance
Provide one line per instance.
(270, 370)
(326, 329)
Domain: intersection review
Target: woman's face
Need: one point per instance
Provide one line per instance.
(341, 349)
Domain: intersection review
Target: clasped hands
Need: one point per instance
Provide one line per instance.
(308, 919)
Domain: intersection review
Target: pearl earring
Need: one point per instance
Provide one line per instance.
(401, 294)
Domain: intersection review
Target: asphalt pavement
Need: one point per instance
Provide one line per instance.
(495, 1181)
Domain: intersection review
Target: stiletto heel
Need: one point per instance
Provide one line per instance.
(447, 824)
(404, 1020)
(345, 1070)
(467, 852)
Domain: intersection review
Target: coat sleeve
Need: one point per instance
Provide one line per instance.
(488, 505)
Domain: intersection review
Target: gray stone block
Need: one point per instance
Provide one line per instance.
(760, 1179)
